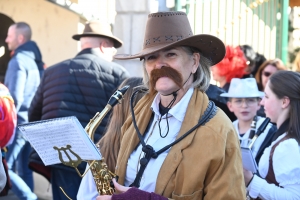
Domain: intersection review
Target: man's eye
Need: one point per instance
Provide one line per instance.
(238, 101)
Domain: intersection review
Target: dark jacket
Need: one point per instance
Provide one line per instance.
(77, 87)
(213, 92)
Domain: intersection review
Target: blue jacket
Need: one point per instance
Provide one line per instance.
(22, 77)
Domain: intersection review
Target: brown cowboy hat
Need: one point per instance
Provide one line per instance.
(169, 29)
(98, 29)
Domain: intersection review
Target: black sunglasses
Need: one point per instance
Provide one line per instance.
(266, 74)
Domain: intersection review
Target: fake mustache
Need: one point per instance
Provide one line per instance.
(165, 72)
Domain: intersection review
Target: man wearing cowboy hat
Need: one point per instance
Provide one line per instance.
(79, 87)
(161, 155)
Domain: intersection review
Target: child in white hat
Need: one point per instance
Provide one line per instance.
(244, 101)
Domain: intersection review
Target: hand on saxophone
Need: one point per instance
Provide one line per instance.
(119, 190)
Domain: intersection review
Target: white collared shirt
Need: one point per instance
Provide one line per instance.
(286, 167)
(153, 138)
(88, 190)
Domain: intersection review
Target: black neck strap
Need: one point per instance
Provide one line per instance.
(210, 111)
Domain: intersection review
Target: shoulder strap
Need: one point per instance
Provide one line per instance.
(209, 113)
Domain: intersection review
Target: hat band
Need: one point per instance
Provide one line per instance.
(152, 41)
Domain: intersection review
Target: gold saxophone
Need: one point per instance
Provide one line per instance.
(102, 176)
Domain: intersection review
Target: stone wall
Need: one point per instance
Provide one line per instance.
(130, 23)
(52, 26)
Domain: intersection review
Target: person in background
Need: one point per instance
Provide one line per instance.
(233, 65)
(244, 101)
(8, 117)
(22, 79)
(79, 87)
(259, 60)
(8, 122)
(296, 63)
(263, 74)
(213, 93)
(278, 174)
(109, 144)
(250, 56)
(3, 178)
(156, 160)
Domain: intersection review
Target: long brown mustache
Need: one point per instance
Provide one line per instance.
(165, 72)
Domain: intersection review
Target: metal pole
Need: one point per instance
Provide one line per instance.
(178, 6)
(284, 26)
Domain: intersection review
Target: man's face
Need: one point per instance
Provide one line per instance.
(177, 59)
(12, 38)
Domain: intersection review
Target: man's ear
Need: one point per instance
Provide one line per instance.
(229, 105)
(102, 46)
(285, 102)
(20, 39)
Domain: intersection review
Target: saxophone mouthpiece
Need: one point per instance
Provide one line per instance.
(118, 96)
(124, 89)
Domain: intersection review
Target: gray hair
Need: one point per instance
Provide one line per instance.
(201, 79)
(24, 29)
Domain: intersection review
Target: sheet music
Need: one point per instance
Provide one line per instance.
(249, 162)
(60, 132)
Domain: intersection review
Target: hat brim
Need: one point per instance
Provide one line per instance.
(210, 46)
(253, 95)
(117, 42)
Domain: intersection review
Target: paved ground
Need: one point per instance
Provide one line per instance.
(41, 187)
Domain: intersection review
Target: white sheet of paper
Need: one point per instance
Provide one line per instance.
(60, 132)
(249, 162)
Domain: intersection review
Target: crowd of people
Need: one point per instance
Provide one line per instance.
(175, 135)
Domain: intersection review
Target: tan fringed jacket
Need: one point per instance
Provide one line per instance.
(206, 164)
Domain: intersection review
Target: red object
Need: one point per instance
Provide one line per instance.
(8, 116)
(233, 65)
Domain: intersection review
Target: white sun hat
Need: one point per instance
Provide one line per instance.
(243, 88)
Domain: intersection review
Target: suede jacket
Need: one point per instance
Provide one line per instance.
(206, 164)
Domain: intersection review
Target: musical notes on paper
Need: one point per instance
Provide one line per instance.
(60, 132)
